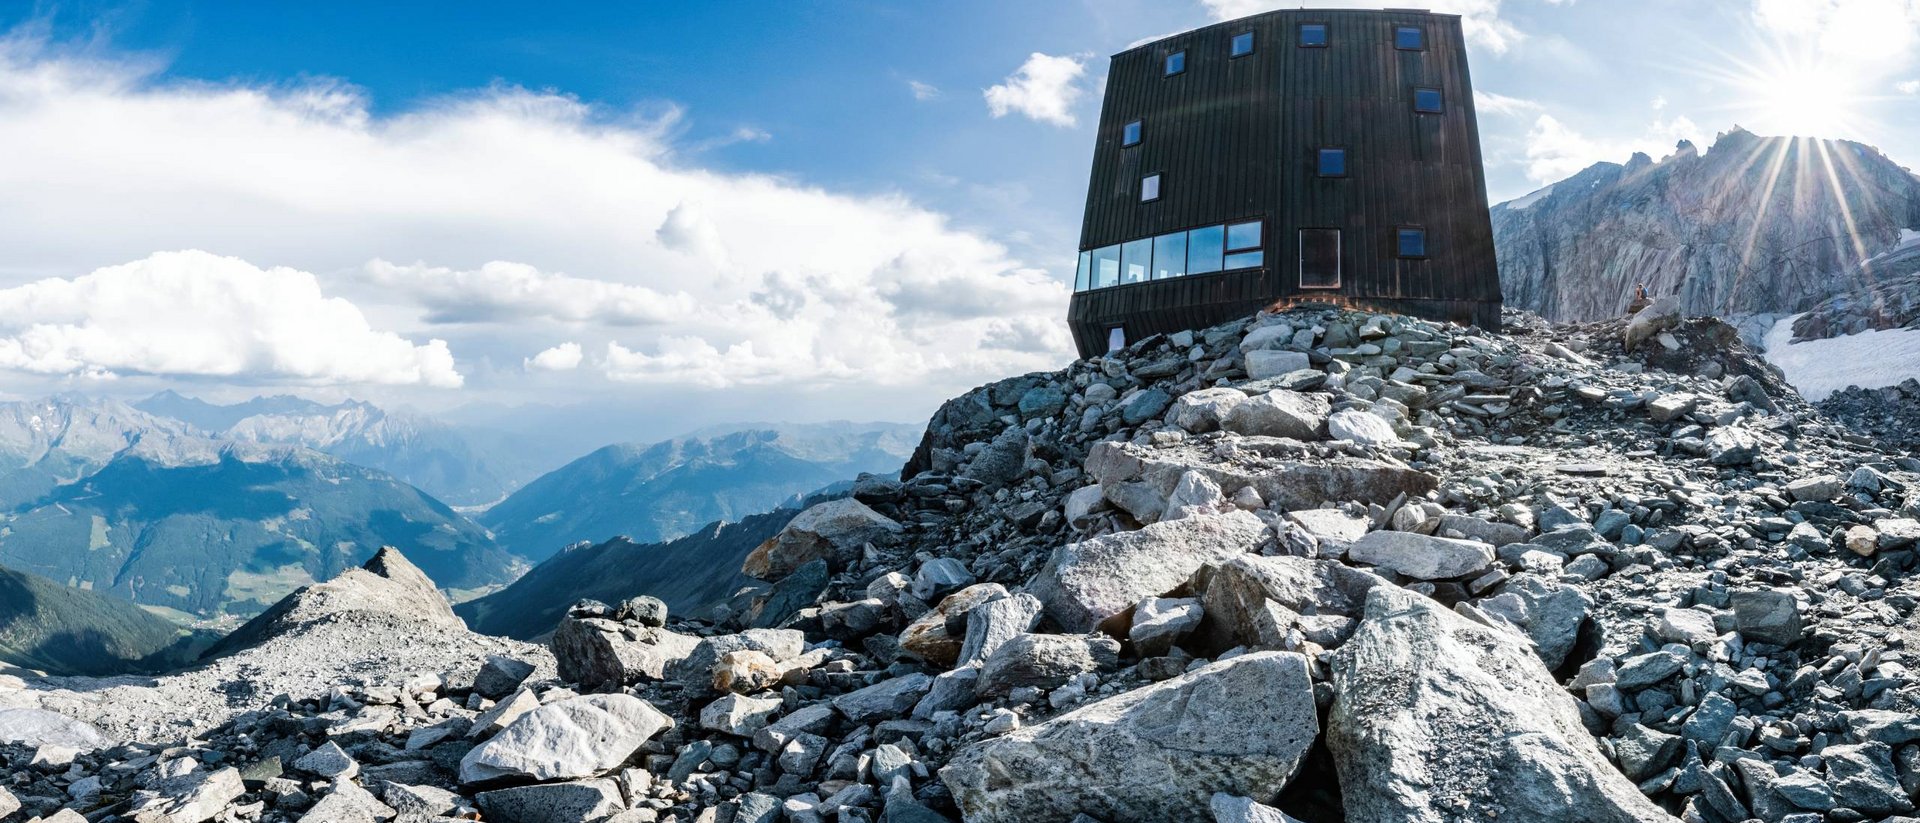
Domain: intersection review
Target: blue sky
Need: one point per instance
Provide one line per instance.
(444, 204)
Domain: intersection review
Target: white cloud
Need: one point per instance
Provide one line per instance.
(1556, 151)
(508, 292)
(1488, 102)
(1659, 102)
(1908, 87)
(195, 314)
(497, 192)
(1862, 34)
(1044, 88)
(564, 357)
(1480, 20)
(923, 91)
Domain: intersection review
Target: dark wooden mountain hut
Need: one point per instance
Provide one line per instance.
(1292, 156)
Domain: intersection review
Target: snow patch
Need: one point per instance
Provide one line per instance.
(1870, 359)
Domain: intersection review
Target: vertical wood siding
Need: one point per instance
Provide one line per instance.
(1236, 138)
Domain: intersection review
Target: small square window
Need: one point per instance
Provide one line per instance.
(1176, 63)
(1313, 35)
(1409, 38)
(1242, 44)
(1333, 162)
(1413, 243)
(1130, 134)
(1243, 236)
(1116, 339)
(1149, 188)
(1428, 101)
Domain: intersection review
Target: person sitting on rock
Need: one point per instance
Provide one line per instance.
(1640, 299)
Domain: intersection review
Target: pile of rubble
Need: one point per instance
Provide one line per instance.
(1319, 565)
(1886, 418)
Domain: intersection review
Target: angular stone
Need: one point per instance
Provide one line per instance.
(503, 713)
(1551, 613)
(1641, 671)
(1767, 615)
(1255, 601)
(1688, 627)
(1281, 413)
(745, 672)
(1201, 411)
(1644, 752)
(1365, 428)
(1088, 583)
(1863, 778)
(1159, 624)
(738, 714)
(552, 802)
(1045, 661)
(1286, 485)
(1420, 556)
(937, 577)
(696, 668)
(328, 761)
(1430, 705)
(1821, 488)
(1732, 447)
(33, 728)
(885, 700)
(1486, 531)
(188, 798)
(1160, 752)
(500, 675)
(601, 654)
(939, 636)
(348, 803)
(1265, 363)
(994, 622)
(832, 531)
(578, 737)
(1229, 809)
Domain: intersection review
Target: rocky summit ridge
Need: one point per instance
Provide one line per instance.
(1320, 565)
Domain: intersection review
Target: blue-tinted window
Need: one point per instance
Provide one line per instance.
(1170, 255)
(1081, 277)
(1409, 38)
(1413, 242)
(1428, 101)
(1243, 236)
(1130, 134)
(1333, 162)
(1243, 43)
(1106, 267)
(1176, 63)
(1136, 259)
(1149, 188)
(1116, 339)
(1204, 247)
(1313, 35)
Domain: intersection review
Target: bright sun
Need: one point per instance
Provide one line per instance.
(1796, 92)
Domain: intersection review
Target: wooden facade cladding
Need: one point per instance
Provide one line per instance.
(1237, 138)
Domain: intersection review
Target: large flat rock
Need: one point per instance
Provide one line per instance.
(1087, 583)
(1270, 466)
(1437, 718)
(1159, 753)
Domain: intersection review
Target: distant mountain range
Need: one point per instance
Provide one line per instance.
(421, 451)
(689, 573)
(652, 493)
(208, 512)
(1755, 226)
(63, 630)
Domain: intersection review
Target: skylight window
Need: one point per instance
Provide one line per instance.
(1242, 44)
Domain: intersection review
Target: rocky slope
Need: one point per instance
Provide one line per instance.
(64, 630)
(1757, 225)
(696, 571)
(1319, 565)
(420, 451)
(652, 493)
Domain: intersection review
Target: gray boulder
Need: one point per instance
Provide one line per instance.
(1767, 615)
(1159, 624)
(833, 531)
(188, 798)
(1361, 427)
(1045, 661)
(579, 737)
(601, 654)
(1551, 613)
(34, 728)
(1265, 363)
(1201, 411)
(552, 802)
(1229, 809)
(1438, 718)
(1420, 556)
(1281, 413)
(885, 700)
(938, 637)
(1256, 601)
(500, 675)
(994, 622)
(1088, 583)
(1240, 726)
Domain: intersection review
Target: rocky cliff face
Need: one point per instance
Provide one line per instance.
(1322, 566)
(1756, 225)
